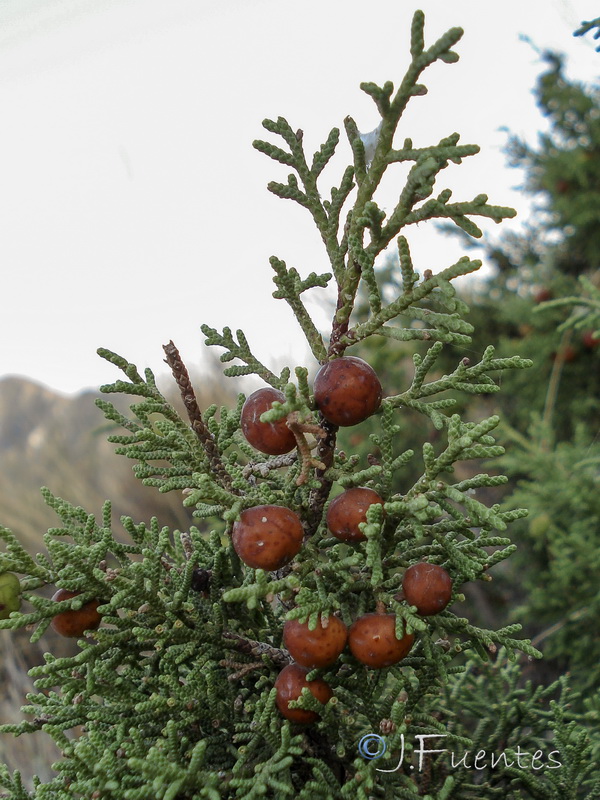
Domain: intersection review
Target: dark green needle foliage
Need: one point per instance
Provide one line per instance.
(173, 696)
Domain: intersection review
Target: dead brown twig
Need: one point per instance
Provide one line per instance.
(180, 373)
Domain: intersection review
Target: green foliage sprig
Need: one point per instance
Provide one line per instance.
(585, 27)
(351, 259)
(586, 311)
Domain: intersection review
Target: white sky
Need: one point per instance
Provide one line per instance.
(132, 205)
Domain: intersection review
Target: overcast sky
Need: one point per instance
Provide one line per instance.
(133, 207)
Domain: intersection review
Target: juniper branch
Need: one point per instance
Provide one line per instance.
(585, 27)
(181, 375)
(310, 198)
(257, 649)
(462, 267)
(290, 287)
(466, 377)
(240, 350)
(391, 113)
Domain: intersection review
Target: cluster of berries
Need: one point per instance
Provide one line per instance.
(268, 537)
(371, 638)
(347, 391)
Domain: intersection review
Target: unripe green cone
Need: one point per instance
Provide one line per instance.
(10, 594)
(539, 525)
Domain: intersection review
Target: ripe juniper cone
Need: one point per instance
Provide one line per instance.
(317, 648)
(347, 391)
(348, 510)
(589, 340)
(74, 623)
(267, 537)
(272, 438)
(289, 684)
(428, 587)
(372, 640)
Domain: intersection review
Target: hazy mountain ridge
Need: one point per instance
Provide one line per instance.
(47, 439)
(60, 442)
(42, 435)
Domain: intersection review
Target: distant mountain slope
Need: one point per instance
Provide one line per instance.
(60, 442)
